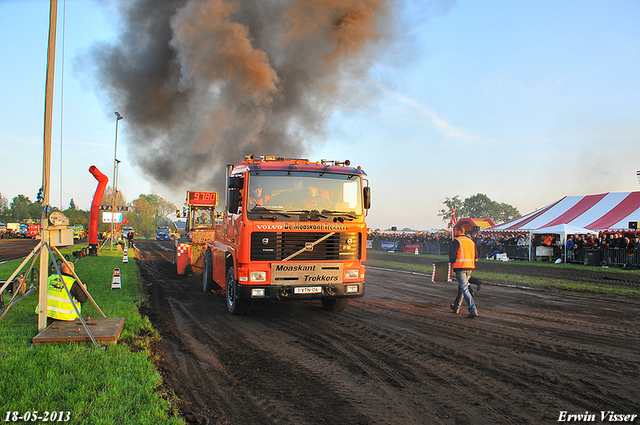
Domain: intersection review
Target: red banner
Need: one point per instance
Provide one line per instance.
(412, 247)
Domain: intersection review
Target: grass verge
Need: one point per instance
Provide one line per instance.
(114, 385)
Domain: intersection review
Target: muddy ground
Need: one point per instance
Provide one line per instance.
(397, 356)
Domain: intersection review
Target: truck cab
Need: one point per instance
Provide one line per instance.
(78, 232)
(33, 231)
(291, 229)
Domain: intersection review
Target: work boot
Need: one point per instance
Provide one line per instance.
(475, 281)
(454, 309)
(473, 315)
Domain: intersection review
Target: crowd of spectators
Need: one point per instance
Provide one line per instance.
(438, 242)
(435, 243)
(602, 241)
(516, 245)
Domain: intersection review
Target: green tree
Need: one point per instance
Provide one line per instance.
(21, 208)
(451, 204)
(77, 216)
(507, 212)
(478, 206)
(107, 198)
(161, 206)
(149, 211)
(143, 217)
(35, 211)
(4, 209)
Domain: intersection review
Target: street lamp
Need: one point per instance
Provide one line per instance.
(115, 187)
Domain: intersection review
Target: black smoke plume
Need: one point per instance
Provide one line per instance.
(202, 83)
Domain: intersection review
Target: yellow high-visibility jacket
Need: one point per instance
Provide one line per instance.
(58, 305)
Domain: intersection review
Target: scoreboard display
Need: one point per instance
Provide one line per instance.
(202, 198)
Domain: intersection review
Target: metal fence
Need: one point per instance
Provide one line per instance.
(587, 256)
(593, 257)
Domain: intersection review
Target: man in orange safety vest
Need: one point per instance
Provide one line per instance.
(463, 255)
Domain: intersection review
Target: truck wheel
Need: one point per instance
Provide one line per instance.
(235, 305)
(207, 272)
(334, 304)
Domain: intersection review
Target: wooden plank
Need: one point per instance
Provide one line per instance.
(105, 330)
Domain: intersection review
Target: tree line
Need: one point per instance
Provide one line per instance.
(149, 211)
(145, 213)
(478, 206)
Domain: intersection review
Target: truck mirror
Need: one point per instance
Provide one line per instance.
(236, 182)
(367, 197)
(234, 201)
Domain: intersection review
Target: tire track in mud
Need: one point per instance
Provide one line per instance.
(589, 358)
(276, 401)
(357, 372)
(594, 339)
(396, 356)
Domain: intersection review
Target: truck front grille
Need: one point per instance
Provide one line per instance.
(276, 246)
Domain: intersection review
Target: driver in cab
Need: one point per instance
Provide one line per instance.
(255, 197)
(316, 200)
(203, 217)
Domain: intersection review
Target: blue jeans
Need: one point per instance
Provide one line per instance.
(463, 291)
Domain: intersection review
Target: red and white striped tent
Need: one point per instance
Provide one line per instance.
(602, 212)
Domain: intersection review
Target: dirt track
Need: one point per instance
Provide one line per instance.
(396, 356)
(11, 249)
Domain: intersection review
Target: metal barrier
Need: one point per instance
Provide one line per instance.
(621, 257)
(517, 252)
(592, 257)
(436, 248)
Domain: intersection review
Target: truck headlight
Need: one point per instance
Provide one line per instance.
(352, 274)
(258, 292)
(258, 276)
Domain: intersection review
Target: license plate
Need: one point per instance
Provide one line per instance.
(307, 290)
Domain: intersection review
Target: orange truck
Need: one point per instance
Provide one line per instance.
(199, 228)
(291, 229)
(33, 231)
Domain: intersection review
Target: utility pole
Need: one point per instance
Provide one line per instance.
(46, 166)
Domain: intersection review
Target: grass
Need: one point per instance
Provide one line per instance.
(512, 276)
(114, 385)
(567, 285)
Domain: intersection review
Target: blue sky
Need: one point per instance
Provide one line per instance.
(524, 101)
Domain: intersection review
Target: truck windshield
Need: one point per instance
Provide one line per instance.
(201, 217)
(299, 192)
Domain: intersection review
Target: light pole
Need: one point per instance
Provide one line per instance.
(115, 187)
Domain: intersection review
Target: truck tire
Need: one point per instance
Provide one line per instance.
(235, 305)
(207, 272)
(334, 304)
